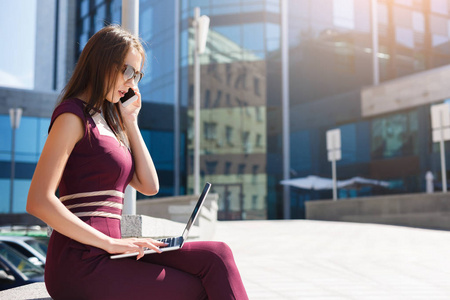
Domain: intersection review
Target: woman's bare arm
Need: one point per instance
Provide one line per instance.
(42, 202)
(145, 178)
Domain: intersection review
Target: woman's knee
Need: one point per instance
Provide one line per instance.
(218, 250)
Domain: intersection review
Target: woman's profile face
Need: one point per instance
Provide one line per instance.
(134, 59)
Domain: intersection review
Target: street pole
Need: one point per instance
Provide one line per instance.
(201, 28)
(375, 65)
(196, 104)
(442, 146)
(333, 171)
(130, 22)
(15, 115)
(285, 108)
(176, 107)
(334, 153)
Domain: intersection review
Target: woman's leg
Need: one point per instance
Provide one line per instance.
(212, 262)
(76, 271)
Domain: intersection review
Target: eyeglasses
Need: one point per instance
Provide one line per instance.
(129, 72)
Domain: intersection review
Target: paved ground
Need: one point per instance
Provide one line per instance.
(304, 259)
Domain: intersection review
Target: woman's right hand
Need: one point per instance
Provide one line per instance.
(130, 245)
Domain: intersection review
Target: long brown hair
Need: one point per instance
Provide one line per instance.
(96, 73)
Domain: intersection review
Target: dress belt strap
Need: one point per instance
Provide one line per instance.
(95, 213)
(93, 194)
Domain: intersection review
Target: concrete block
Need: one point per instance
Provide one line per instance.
(35, 291)
(145, 226)
(414, 210)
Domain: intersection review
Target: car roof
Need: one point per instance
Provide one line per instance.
(15, 238)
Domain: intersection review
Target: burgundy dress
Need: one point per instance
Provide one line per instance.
(92, 187)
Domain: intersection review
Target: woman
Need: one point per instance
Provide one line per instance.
(93, 151)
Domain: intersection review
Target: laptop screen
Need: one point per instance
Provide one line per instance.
(196, 211)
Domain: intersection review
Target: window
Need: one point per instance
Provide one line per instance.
(344, 14)
(190, 130)
(241, 169)
(229, 135)
(259, 116)
(211, 167)
(246, 141)
(395, 135)
(255, 202)
(227, 170)
(210, 130)
(18, 35)
(255, 174)
(256, 87)
(207, 98)
(218, 97)
(258, 142)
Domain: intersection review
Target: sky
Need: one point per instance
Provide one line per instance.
(17, 43)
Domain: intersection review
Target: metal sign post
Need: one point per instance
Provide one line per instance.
(15, 115)
(334, 154)
(440, 124)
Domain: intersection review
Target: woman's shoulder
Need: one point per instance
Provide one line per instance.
(72, 105)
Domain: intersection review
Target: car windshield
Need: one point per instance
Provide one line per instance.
(20, 261)
(39, 245)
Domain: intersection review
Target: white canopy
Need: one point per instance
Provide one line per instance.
(313, 182)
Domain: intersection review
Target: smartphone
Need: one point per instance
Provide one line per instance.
(128, 98)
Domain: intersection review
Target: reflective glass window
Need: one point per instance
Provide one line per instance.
(43, 124)
(27, 140)
(249, 6)
(18, 25)
(116, 12)
(355, 143)
(21, 187)
(253, 36)
(225, 2)
(273, 6)
(84, 8)
(404, 2)
(100, 18)
(344, 14)
(5, 138)
(231, 32)
(301, 156)
(395, 135)
(418, 21)
(4, 186)
(160, 145)
(272, 37)
(439, 6)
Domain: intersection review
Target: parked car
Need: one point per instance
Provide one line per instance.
(34, 248)
(16, 269)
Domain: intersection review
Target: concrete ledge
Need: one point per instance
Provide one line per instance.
(145, 226)
(430, 211)
(34, 291)
(156, 214)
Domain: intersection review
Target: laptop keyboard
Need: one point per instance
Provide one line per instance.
(172, 241)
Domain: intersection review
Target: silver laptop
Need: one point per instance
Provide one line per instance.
(175, 243)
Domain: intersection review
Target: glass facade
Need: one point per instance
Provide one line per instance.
(330, 60)
(156, 28)
(29, 141)
(234, 123)
(331, 56)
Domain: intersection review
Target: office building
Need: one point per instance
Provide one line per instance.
(267, 88)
